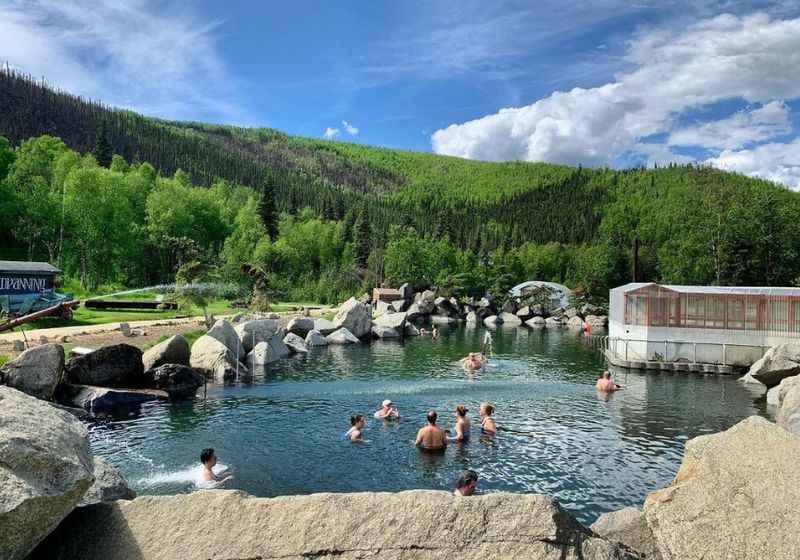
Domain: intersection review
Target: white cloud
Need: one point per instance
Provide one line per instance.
(776, 162)
(738, 130)
(330, 133)
(350, 129)
(753, 58)
(131, 53)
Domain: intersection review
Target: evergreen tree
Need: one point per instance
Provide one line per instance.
(267, 210)
(361, 234)
(103, 152)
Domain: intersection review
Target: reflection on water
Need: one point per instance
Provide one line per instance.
(281, 432)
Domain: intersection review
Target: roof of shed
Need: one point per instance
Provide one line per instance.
(29, 267)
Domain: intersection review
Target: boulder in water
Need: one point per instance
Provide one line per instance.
(384, 332)
(778, 362)
(472, 318)
(553, 323)
(224, 332)
(354, 316)
(735, 496)
(253, 332)
(575, 323)
(443, 320)
(788, 403)
(411, 330)
(108, 485)
(296, 344)
(382, 307)
(524, 313)
(45, 469)
(510, 319)
(267, 353)
(300, 326)
(628, 526)
(105, 399)
(342, 336)
(535, 322)
(394, 321)
(119, 365)
(399, 305)
(174, 350)
(37, 371)
(214, 359)
(178, 380)
(418, 525)
(492, 321)
(315, 338)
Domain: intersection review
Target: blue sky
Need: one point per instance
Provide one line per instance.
(596, 83)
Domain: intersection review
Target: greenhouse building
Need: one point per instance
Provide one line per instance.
(728, 326)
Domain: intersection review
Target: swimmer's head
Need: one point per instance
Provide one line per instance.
(461, 410)
(606, 374)
(432, 416)
(208, 457)
(356, 420)
(387, 403)
(466, 482)
(487, 409)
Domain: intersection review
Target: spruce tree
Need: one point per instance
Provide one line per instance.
(103, 152)
(361, 234)
(267, 210)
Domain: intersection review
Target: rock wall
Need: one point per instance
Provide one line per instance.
(415, 525)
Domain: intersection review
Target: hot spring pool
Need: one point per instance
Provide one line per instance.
(282, 433)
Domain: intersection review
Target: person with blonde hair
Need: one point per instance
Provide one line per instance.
(488, 426)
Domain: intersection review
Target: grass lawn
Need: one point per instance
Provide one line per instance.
(83, 316)
(4, 359)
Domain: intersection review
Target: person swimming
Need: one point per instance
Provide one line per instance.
(466, 483)
(435, 333)
(605, 385)
(387, 411)
(356, 428)
(488, 426)
(472, 362)
(462, 424)
(431, 437)
(210, 480)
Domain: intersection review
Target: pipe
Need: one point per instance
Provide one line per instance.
(37, 314)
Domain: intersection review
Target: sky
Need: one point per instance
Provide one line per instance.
(596, 83)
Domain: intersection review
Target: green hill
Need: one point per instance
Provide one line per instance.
(694, 224)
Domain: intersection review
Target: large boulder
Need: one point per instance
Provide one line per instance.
(399, 305)
(510, 319)
(735, 496)
(596, 321)
(406, 292)
(553, 323)
(178, 380)
(105, 399)
(446, 307)
(119, 365)
(536, 322)
(295, 343)
(174, 350)
(45, 469)
(266, 353)
(354, 316)
(628, 526)
(324, 326)
(392, 321)
(410, 330)
(384, 332)
(492, 321)
(443, 320)
(316, 338)
(225, 333)
(36, 371)
(575, 323)
(300, 326)
(417, 310)
(524, 313)
(253, 332)
(788, 403)
(213, 359)
(777, 363)
(342, 336)
(418, 525)
(108, 485)
(472, 318)
(382, 307)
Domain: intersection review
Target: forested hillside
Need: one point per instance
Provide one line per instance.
(353, 215)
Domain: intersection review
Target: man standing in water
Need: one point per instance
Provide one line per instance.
(388, 411)
(431, 437)
(605, 384)
(466, 483)
(208, 458)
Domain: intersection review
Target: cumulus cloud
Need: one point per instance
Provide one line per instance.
(330, 133)
(738, 130)
(349, 128)
(131, 53)
(754, 58)
(774, 161)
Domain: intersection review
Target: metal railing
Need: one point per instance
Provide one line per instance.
(606, 344)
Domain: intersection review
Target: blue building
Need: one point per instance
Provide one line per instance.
(26, 287)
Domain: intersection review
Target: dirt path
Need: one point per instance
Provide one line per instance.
(95, 336)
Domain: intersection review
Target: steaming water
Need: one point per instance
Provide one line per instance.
(207, 287)
(281, 434)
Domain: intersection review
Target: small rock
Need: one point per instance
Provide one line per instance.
(18, 346)
(125, 329)
(178, 380)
